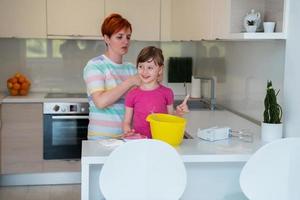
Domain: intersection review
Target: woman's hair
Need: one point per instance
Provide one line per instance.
(114, 23)
(151, 53)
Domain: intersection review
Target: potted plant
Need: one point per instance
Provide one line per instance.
(251, 26)
(271, 128)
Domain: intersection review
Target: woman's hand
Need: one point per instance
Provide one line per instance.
(102, 99)
(134, 80)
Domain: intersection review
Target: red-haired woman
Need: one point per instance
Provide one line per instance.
(108, 78)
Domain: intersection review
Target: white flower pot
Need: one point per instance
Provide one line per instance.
(270, 132)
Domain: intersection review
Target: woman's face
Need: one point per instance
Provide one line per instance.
(149, 71)
(119, 42)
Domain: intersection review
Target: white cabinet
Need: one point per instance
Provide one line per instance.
(21, 141)
(191, 19)
(21, 138)
(74, 18)
(223, 19)
(144, 16)
(23, 19)
(228, 16)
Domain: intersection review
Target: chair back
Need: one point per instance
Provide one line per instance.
(143, 170)
(273, 172)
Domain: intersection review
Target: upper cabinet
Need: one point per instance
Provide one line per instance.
(74, 18)
(152, 20)
(144, 16)
(228, 18)
(223, 19)
(23, 19)
(191, 19)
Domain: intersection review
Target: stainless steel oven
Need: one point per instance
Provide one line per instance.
(65, 126)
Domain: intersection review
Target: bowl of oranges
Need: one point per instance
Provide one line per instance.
(18, 85)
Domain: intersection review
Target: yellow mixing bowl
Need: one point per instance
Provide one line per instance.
(168, 128)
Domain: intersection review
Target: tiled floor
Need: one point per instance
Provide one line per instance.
(49, 192)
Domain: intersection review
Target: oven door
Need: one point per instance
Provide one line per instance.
(63, 135)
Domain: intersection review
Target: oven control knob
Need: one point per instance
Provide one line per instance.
(56, 108)
(63, 109)
(82, 109)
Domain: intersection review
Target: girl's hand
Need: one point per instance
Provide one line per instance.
(183, 107)
(128, 132)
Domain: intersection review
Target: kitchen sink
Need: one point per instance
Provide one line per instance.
(187, 136)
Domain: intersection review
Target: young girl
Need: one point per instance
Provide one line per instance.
(150, 96)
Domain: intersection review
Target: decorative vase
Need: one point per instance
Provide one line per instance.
(251, 29)
(255, 18)
(270, 132)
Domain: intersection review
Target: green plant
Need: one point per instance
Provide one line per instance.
(250, 22)
(273, 111)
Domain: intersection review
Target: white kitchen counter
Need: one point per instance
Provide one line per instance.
(206, 162)
(39, 97)
(32, 97)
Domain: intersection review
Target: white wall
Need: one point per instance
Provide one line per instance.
(242, 69)
(292, 73)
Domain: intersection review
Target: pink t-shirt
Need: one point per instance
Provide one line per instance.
(145, 102)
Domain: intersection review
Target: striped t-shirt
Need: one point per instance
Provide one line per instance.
(102, 74)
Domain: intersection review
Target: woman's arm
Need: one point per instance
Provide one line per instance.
(103, 99)
(127, 121)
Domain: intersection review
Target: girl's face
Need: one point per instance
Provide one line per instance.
(149, 72)
(119, 42)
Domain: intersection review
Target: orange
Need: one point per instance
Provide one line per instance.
(23, 92)
(14, 80)
(21, 79)
(9, 80)
(25, 86)
(16, 86)
(9, 85)
(13, 92)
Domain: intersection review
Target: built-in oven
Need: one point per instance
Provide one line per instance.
(65, 126)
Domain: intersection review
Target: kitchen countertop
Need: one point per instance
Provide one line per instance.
(37, 97)
(32, 97)
(197, 150)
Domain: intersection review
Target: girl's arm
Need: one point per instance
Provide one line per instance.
(170, 109)
(127, 121)
(103, 99)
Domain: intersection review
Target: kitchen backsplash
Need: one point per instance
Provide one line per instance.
(241, 68)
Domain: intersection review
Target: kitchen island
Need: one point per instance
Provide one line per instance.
(213, 168)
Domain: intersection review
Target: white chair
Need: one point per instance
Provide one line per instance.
(273, 172)
(143, 170)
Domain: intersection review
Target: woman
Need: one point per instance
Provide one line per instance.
(107, 79)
